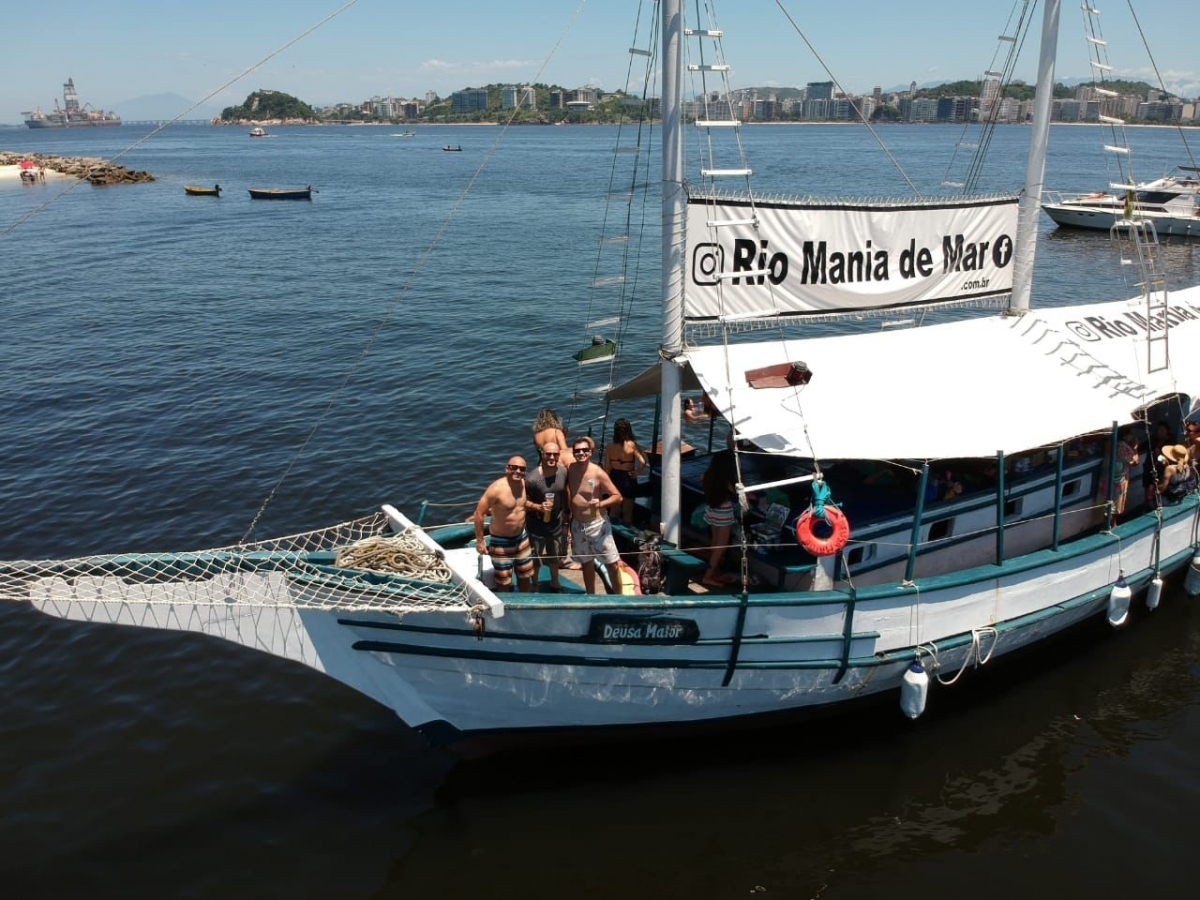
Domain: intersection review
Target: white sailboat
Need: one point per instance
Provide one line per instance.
(929, 583)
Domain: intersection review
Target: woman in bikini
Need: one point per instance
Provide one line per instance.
(719, 492)
(624, 461)
(548, 429)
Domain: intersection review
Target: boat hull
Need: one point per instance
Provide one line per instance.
(554, 664)
(74, 123)
(273, 194)
(1103, 218)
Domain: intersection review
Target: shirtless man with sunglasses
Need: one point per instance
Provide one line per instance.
(505, 501)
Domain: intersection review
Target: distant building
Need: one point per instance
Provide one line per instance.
(514, 97)
(470, 100)
(842, 110)
(584, 95)
(766, 110)
(819, 90)
(990, 97)
(1160, 110)
(924, 109)
(1068, 110)
(1009, 111)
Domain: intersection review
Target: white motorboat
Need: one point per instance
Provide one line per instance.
(1171, 203)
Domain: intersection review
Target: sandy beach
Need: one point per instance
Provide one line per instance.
(13, 173)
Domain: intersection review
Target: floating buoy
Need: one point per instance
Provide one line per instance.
(1191, 582)
(1118, 602)
(1154, 592)
(839, 532)
(598, 351)
(914, 690)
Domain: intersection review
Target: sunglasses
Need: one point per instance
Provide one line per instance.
(515, 468)
(550, 455)
(581, 451)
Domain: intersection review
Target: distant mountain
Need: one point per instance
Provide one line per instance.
(161, 107)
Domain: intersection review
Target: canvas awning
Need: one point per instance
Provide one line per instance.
(959, 389)
(648, 383)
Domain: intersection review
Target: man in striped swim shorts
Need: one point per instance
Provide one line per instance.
(508, 543)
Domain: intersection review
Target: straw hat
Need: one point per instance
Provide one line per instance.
(1175, 453)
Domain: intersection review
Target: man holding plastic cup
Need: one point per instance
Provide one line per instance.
(545, 493)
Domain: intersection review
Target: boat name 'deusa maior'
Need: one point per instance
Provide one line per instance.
(625, 629)
(872, 263)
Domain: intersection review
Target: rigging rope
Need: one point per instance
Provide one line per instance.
(1161, 83)
(391, 309)
(888, 153)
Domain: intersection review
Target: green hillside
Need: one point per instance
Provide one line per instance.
(263, 104)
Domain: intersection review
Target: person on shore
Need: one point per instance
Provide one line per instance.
(590, 491)
(624, 461)
(508, 542)
(546, 486)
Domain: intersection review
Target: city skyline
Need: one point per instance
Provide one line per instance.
(408, 49)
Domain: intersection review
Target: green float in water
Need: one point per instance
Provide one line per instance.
(600, 350)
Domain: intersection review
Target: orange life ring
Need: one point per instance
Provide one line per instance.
(827, 546)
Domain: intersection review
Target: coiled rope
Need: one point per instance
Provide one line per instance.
(398, 555)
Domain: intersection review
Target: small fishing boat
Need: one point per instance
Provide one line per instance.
(452, 149)
(195, 190)
(258, 132)
(304, 193)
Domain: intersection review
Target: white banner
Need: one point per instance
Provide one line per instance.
(815, 257)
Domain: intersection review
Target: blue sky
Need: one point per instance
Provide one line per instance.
(125, 49)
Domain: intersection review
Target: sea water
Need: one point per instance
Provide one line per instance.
(178, 370)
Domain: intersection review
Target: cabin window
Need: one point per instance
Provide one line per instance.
(1071, 488)
(1014, 507)
(942, 529)
(860, 554)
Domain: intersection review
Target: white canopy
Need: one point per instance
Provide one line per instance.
(959, 389)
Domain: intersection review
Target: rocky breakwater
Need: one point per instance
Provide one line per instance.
(89, 168)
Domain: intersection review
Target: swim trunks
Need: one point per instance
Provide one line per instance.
(593, 539)
(549, 547)
(510, 553)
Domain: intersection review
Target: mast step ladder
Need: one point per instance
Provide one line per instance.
(1137, 240)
